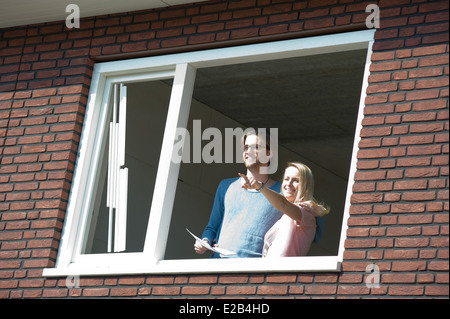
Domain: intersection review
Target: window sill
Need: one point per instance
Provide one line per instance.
(193, 266)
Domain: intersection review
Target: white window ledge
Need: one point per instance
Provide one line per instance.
(192, 266)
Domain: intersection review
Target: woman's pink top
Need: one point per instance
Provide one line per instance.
(289, 238)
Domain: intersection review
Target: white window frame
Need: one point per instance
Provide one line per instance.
(182, 67)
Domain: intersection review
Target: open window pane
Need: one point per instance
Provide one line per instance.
(146, 112)
(312, 100)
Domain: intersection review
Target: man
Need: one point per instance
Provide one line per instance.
(240, 218)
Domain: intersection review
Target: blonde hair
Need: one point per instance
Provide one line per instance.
(305, 191)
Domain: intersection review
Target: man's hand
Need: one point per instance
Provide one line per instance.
(199, 249)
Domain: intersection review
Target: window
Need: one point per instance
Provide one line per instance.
(129, 160)
(131, 203)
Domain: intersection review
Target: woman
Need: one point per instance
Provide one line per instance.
(294, 232)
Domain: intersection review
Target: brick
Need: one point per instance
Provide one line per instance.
(203, 279)
(123, 292)
(195, 290)
(272, 290)
(376, 153)
(364, 221)
(419, 117)
(379, 131)
(36, 102)
(424, 150)
(56, 293)
(131, 280)
(385, 66)
(281, 278)
(432, 61)
(365, 176)
(203, 38)
(181, 41)
(76, 89)
(245, 13)
(275, 29)
(244, 33)
(408, 208)
(360, 243)
(321, 290)
(410, 185)
(233, 279)
(431, 83)
(406, 290)
(411, 242)
(419, 196)
(17, 196)
(319, 23)
(401, 254)
(426, 128)
(366, 198)
(416, 140)
(95, 292)
(381, 88)
(241, 290)
(36, 263)
(438, 266)
(31, 283)
(421, 172)
(441, 290)
(422, 95)
(278, 8)
(169, 291)
(404, 231)
(376, 99)
(46, 224)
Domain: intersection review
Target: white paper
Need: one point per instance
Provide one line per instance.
(218, 250)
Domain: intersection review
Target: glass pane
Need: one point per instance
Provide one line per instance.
(312, 100)
(147, 106)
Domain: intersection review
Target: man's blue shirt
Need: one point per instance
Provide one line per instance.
(240, 218)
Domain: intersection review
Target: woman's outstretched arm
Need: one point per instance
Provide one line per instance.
(278, 201)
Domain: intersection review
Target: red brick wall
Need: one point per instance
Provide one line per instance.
(399, 213)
